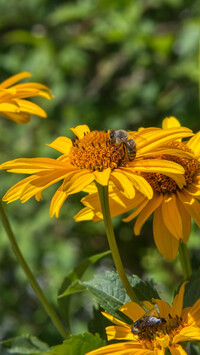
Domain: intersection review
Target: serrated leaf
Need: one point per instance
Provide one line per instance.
(110, 294)
(25, 344)
(192, 289)
(77, 345)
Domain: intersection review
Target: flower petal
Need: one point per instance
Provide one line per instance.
(80, 130)
(57, 201)
(170, 122)
(147, 211)
(177, 349)
(77, 181)
(164, 308)
(178, 302)
(14, 79)
(186, 220)
(102, 177)
(171, 215)
(187, 334)
(62, 144)
(133, 310)
(119, 333)
(123, 183)
(165, 242)
(129, 348)
(194, 144)
(191, 205)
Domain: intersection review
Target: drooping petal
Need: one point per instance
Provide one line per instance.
(194, 144)
(171, 216)
(31, 108)
(139, 208)
(57, 201)
(191, 205)
(77, 181)
(86, 214)
(186, 220)
(123, 183)
(147, 211)
(165, 242)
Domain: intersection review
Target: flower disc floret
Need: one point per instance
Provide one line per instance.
(95, 152)
(164, 184)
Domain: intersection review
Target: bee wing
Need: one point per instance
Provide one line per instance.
(152, 312)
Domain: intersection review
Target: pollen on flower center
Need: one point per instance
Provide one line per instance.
(95, 152)
(163, 183)
(161, 335)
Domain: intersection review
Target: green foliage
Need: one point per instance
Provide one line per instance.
(77, 345)
(25, 344)
(192, 289)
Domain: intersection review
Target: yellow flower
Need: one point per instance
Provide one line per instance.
(12, 103)
(92, 157)
(175, 325)
(172, 206)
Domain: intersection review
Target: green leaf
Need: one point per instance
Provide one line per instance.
(110, 294)
(77, 345)
(25, 344)
(192, 290)
(71, 282)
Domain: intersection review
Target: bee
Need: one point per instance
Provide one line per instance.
(121, 138)
(148, 323)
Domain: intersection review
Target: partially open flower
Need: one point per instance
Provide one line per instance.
(156, 334)
(172, 205)
(12, 103)
(94, 157)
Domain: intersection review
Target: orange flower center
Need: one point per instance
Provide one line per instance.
(153, 337)
(163, 183)
(96, 152)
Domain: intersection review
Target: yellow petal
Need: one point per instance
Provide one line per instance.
(119, 333)
(34, 165)
(170, 122)
(187, 334)
(133, 310)
(30, 107)
(191, 205)
(57, 201)
(8, 107)
(164, 308)
(14, 79)
(165, 242)
(147, 211)
(19, 118)
(123, 183)
(194, 144)
(139, 182)
(102, 177)
(62, 144)
(186, 220)
(86, 214)
(194, 314)
(178, 302)
(128, 348)
(137, 211)
(115, 320)
(171, 216)
(77, 181)
(80, 130)
(177, 349)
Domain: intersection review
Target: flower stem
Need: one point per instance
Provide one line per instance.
(48, 308)
(185, 260)
(103, 195)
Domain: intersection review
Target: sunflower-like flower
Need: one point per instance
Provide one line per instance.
(163, 331)
(93, 157)
(172, 206)
(12, 103)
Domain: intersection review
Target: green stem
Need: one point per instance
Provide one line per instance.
(185, 260)
(49, 310)
(103, 195)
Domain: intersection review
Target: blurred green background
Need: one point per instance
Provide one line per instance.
(110, 64)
